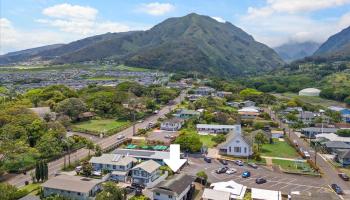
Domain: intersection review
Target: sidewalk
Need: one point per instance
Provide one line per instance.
(279, 158)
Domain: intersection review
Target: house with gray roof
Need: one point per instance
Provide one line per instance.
(210, 194)
(117, 164)
(72, 187)
(216, 128)
(144, 155)
(146, 173)
(236, 145)
(179, 187)
(187, 114)
(173, 124)
(343, 157)
(313, 131)
(333, 146)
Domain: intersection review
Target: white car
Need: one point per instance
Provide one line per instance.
(119, 137)
(231, 171)
(97, 173)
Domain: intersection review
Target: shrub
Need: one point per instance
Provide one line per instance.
(343, 132)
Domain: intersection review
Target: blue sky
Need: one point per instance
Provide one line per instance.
(31, 23)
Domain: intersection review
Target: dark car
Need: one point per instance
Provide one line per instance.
(246, 174)
(224, 162)
(337, 189)
(207, 159)
(221, 170)
(253, 165)
(138, 191)
(260, 180)
(344, 176)
(137, 185)
(129, 189)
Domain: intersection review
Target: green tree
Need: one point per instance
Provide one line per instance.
(347, 100)
(203, 176)
(142, 197)
(189, 142)
(219, 138)
(71, 107)
(110, 192)
(260, 139)
(86, 168)
(343, 132)
(9, 192)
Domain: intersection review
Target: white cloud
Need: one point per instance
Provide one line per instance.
(69, 11)
(293, 6)
(14, 39)
(78, 20)
(156, 8)
(219, 19)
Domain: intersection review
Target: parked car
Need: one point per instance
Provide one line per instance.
(207, 159)
(224, 162)
(140, 121)
(260, 180)
(231, 171)
(156, 112)
(344, 176)
(246, 174)
(295, 143)
(306, 155)
(138, 191)
(119, 137)
(238, 162)
(97, 173)
(253, 165)
(221, 170)
(336, 188)
(137, 185)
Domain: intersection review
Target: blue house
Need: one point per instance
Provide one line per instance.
(345, 112)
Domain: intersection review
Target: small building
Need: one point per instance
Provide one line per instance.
(313, 131)
(223, 94)
(44, 112)
(241, 104)
(179, 187)
(343, 157)
(173, 124)
(261, 194)
(345, 112)
(72, 187)
(117, 164)
(210, 194)
(215, 128)
(249, 112)
(146, 173)
(193, 97)
(204, 91)
(178, 85)
(307, 117)
(86, 116)
(293, 109)
(312, 92)
(237, 191)
(236, 145)
(187, 114)
(333, 146)
(296, 195)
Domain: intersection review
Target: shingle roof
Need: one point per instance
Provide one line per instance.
(344, 154)
(215, 194)
(148, 166)
(215, 126)
(174, 186)
(147, 154)
(72, 183)
(231, 136)
(337, 144)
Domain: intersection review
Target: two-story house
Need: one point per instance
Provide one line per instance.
(146, 172)
(179, 187)
(236, 145)
(117, 164)
(216, 128)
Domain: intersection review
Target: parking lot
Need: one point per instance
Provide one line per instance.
(275, 180)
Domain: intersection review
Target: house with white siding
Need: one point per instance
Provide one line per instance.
(146, 173)
(236, 145)
(216, 128)
(173, 124)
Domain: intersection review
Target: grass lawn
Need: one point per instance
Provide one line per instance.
(100, 126)
(279, 149)
(292, 167)
(312, 100)
(32, 188)
(205, 139)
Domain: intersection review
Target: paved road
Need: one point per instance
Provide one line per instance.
(275, 180)
(330, 173)
(55, 166)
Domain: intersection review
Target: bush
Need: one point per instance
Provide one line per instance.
(219, 138)
(343, 132)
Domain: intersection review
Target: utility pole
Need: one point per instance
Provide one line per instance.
(133, 126)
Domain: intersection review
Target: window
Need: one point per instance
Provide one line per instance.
(157, 193)
(170, 197)
(79, 193)
(237, 149)
(245, 149)
(229, 149)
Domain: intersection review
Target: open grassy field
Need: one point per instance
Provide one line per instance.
(288, 165)
(279, 149)
(108, 126)
(311, 100)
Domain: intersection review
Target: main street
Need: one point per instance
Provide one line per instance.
(55, 166)
(330, 173)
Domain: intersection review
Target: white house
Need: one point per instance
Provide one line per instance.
(173, 124)
(215, 128)
(249, 112)
(204, 91)
(146, 172)
(236, 145)
(180, 187)
(236, 190)
(117, 164)
(210, 194)
(72, 187)
(223, 94)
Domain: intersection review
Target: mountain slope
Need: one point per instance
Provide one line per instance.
(26, 54)
(337, 46)
(193, 42)
(295, 51)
